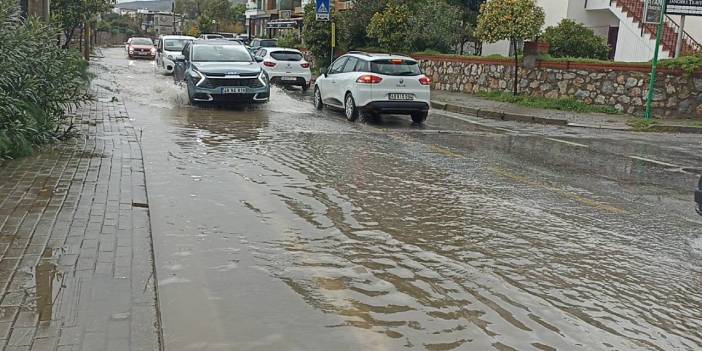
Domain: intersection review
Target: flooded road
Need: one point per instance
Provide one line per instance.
(278, 227)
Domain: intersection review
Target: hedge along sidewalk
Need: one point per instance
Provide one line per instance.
(476, 106)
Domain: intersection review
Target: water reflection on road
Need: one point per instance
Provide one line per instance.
(281, 228)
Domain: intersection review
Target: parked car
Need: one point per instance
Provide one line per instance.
(227, 35)
(363, 83)
(167, 48)
(140, 47)
(258, 43)
(210, 36)
(286, 66)
(221, 71)
(698, 197)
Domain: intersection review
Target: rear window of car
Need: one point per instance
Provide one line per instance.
(396, 67)
(286, 55)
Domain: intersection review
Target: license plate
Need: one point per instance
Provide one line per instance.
(233, 90)
(288, 78)
(401, 97)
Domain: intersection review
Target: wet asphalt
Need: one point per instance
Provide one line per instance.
(279, 227)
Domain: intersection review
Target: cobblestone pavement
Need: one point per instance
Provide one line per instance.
(76, 271)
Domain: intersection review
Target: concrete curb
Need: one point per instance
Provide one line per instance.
(491, 114)
(498, 115)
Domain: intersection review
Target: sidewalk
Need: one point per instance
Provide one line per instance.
(76, 270)
(479, 107)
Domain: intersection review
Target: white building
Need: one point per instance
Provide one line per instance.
(620, 23)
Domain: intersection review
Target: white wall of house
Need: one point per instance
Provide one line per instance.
(499, 48)
(597, 20)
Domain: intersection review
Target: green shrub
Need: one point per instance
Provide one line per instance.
(39, 83)
(288, 39)
(572, 39)
(688, 64)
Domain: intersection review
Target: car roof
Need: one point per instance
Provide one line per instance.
(377, 56)
(281, 49)
(217, 42)
(176, 37)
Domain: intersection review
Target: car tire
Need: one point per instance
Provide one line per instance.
(350, 109)
(190, 96)
(304, 87)
(419, 117)
(318, 104)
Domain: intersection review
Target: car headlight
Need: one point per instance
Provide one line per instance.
(263, 78)
(197, 75)
(153, 50)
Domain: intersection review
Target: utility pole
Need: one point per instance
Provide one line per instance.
(174, 17)
(681, 34)
(652, 80)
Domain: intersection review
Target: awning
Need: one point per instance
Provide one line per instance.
(282, 24)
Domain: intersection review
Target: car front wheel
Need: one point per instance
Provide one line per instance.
(350, 108)
(318, 99)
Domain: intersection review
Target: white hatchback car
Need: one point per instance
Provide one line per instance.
(285, 66)
(167, 48)
(363, 83)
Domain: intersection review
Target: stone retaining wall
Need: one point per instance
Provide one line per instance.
(622, 86)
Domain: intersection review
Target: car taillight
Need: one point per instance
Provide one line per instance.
(305, 65)
(369, 79)
(424, 81)
(269, 64)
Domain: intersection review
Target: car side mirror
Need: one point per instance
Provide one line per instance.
(259, 58)
(180, 58)
(159, 49)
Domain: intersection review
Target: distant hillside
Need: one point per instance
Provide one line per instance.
(156, 5)
(153, 5)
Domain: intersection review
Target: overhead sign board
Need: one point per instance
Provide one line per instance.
(685, 7)
(323, 9)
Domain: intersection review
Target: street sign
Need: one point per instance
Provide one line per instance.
(323, 9)
(652, 11)
(685, 7)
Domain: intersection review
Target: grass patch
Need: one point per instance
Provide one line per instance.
(564, 104)
(641, 124)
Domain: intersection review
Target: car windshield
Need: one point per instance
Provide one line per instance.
(396, 67)
(268, 43)
(221, 53)
(141, 41)
(286, 55)
(174, 44)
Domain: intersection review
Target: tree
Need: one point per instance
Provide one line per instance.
(317, 36)
(468, 19)
(436, 25)
(356, 20)
(392, 28)
(572, 39)
(512, 20)
(70, 15)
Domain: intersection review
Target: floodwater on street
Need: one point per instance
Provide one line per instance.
(279, 227)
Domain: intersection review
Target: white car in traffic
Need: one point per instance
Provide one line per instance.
(285, 66)
(371, 84)
(167, 48)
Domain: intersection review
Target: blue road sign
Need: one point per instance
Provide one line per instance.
(323, 10)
